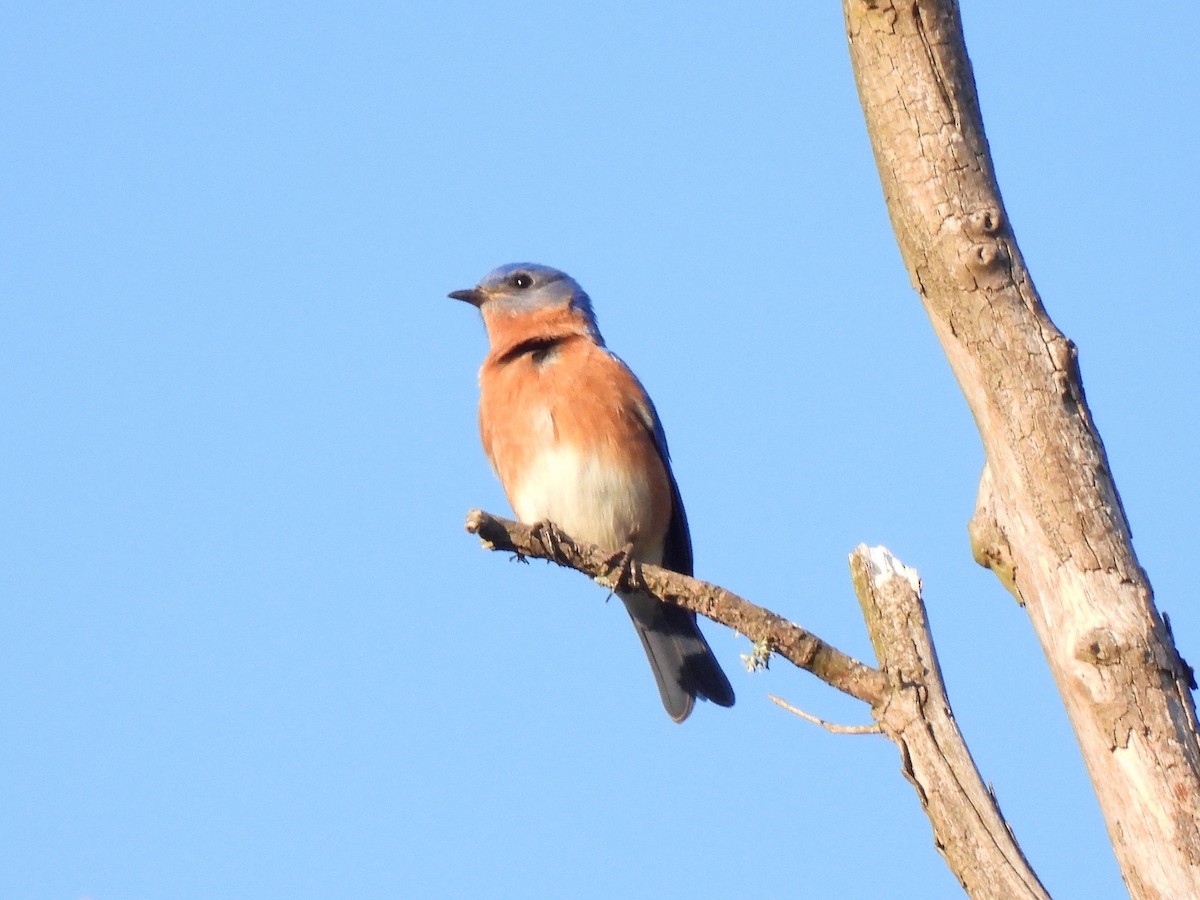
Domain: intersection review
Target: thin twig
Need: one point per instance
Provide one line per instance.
(831, 727)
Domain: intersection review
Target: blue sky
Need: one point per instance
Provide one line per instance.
(246, 648)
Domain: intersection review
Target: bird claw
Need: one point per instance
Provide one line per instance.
(547, 533)
(622, 563)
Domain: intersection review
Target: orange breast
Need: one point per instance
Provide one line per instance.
(568, 438)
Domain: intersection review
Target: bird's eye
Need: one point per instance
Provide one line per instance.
(521, 280)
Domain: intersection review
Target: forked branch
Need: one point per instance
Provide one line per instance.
(906, 694)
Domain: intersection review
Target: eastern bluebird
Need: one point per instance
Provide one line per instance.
(577, 443)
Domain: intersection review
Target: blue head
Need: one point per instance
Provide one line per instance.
(527, 287)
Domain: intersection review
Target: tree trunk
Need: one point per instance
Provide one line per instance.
(1049, 522)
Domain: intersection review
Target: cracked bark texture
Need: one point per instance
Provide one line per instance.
(1049, 521)
(968, 828)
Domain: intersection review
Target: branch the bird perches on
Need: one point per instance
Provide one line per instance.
(906, 694)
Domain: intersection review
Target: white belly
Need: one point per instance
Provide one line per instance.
(586, 496)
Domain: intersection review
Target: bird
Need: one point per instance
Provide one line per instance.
(577, 445)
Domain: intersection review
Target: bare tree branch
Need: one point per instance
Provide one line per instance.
(1049, 521)
(793, 643)
(969, 830)
(831, 727)
(906, 696)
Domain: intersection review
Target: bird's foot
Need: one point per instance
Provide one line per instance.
(622, 570)
(548, 534)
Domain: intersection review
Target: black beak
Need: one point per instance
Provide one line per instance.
(474, 296)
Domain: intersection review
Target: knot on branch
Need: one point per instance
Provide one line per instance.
(986, 257)
(990, 548)
(1068, 381)
(982, 250)
(984, 223)
(1101, 647)
(989, 543)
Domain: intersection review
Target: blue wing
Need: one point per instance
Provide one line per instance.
(677, 548)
